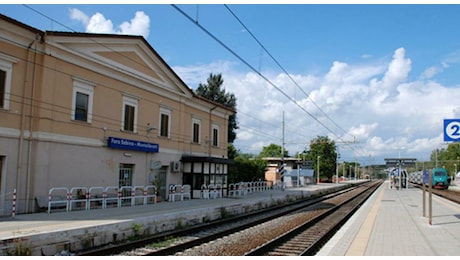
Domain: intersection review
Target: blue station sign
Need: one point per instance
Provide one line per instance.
(452, 130)
(127, 144)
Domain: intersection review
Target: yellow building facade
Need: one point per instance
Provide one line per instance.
(79, 109)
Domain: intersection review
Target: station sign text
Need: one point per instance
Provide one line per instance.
(127, 144)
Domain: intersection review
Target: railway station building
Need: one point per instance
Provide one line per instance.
(85, 110)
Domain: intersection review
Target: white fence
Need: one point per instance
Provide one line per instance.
(84, 198)
(244, 188)
(99, 197)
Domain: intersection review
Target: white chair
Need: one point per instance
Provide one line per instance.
(212, 191)
(175, 191)
(232, 189)
(219, 191)
(186, 192)
(204, 192)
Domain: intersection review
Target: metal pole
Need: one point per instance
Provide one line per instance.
(423, 198)
(399, 175)
(430, 197)
(317, 177)
(337, 170)
(282, 154)
(298, 177)
(349, 175)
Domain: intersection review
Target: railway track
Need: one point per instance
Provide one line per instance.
(191, 241)
(307, 238)
(447, 194)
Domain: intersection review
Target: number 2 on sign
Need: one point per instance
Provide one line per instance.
(453, 130)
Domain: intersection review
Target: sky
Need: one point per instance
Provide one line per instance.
(377, 79)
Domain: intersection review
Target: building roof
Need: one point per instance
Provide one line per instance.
(90, 37)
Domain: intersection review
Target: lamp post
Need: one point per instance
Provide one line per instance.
(349, 175)
(303, 162)
(337, 169)
(317, 177)
(399, 167)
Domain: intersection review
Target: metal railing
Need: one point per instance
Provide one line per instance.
(87, 198)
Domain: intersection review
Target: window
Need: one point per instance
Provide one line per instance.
(2, 88)
(165, 123)
(6, 70)
(129, 118)
(215, 135)
(129, 114)
(196, 123)
(82, 106)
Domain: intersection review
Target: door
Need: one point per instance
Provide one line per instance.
(125, 179)
(162, 181)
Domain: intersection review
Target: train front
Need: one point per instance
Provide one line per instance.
(440, 178)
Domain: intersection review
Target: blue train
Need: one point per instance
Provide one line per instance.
(440, 178)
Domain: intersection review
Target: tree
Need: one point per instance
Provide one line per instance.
(246, 168)
(325, 148)
(348, 169)
(215, 92)
(232, 153)
(448, 158)
(273, 150)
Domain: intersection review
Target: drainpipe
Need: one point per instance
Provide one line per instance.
(22, 126)
(31, 122)
(210, 131)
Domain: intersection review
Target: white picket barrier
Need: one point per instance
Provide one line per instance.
(78, 195)
(150, 194)
(95, 196)
(125, 194)
(109, 195)
(138, 195)
(87, 198)
(59, 197)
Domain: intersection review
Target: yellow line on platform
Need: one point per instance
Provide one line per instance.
(358, 247)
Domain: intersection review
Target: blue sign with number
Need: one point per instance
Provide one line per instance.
(452, 130)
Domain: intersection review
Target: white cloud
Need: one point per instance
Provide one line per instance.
(362, 131)
(398, 69)
(374, 103)
(139, 25)
(78, 15)
(368, 109)
(97, 23)
(431, 72)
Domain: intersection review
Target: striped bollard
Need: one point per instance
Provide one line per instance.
(13, 212)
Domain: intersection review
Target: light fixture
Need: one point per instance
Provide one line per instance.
(150, 128)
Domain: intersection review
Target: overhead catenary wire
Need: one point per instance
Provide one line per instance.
(253, 69)
(280, 66)
(196, 22)
(105, 46)
(285, 71)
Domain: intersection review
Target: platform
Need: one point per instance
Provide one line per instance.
(391, 223)
(46, 234)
